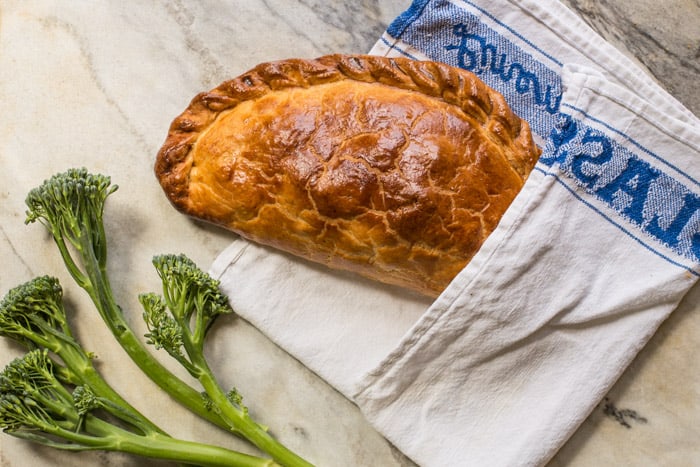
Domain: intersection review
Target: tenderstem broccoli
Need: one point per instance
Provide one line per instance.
(37, 405)
(178, 322)
(71, 206)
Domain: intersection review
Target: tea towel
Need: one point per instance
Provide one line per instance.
(594, 253)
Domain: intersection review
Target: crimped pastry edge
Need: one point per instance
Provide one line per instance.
(453, 85)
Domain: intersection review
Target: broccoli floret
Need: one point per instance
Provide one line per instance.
(71, 206)
(33, 313)
(190, 292)
(37, 406)
(32, 399)
(190, 304)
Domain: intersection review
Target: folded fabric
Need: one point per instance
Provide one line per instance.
(593, 254)
(531, 335)
(339, 325)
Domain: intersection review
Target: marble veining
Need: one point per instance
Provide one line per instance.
(211, 68)
(662, 36)
(353, 23)
(97, 84)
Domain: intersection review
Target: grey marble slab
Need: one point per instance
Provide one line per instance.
(96, 84)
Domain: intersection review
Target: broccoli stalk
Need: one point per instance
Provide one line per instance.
(71, 206)
(178, 322)
(36, 405)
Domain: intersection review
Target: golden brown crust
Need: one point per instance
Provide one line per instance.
(393, 168)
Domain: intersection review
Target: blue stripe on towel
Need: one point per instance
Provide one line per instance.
(657, 204)
(404, 20)
(618, 225)
(635, 143)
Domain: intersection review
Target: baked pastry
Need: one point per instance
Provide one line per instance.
(392, 168)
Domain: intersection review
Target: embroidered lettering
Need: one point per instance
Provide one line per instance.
(656, 203)
(476, 54)
(689, 238)
(633, 184)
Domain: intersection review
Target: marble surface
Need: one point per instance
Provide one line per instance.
(96, 84)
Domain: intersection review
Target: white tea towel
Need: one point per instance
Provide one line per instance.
(339, 325)
(594, 253)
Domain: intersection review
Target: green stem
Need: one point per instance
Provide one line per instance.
(158, 446)
(100, 435)
(81, 365)
(191, 453)
(241, 423)
(101, 294)
(81, 369)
